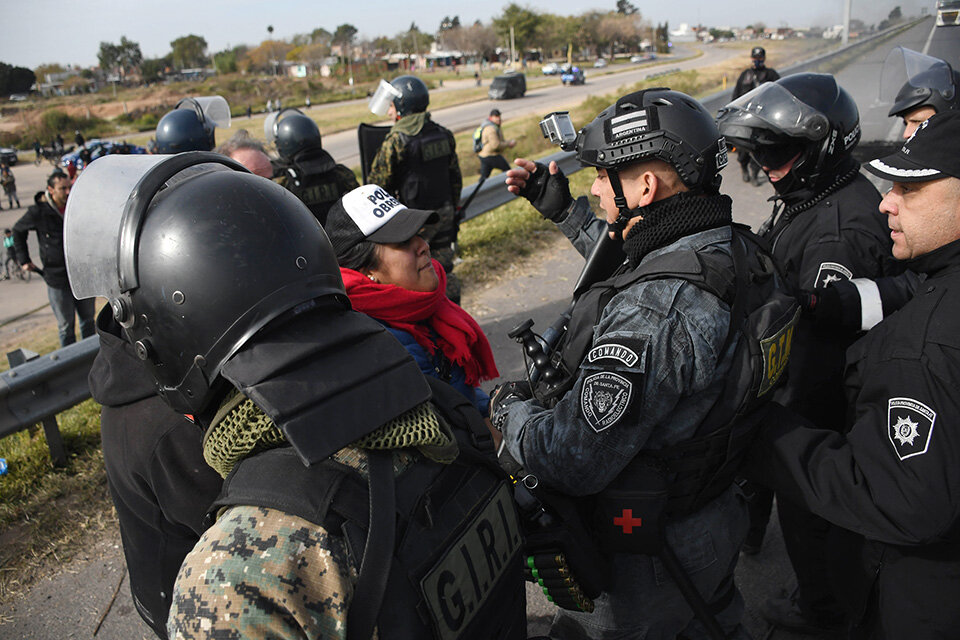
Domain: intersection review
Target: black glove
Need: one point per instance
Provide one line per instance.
(549, 194)
(836, 307)
(507, 393)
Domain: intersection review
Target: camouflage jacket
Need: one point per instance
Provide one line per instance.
(388, 165)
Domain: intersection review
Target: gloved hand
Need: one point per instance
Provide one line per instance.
(549, 193)
(507, 393)
(836, 307)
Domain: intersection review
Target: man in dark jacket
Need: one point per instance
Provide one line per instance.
(45, 217)
(750, 79)
(159, 482)
(824, 230)
(889, 477)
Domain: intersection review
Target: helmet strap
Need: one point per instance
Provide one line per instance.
(624, 213)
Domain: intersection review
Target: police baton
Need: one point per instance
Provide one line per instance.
(462, 209)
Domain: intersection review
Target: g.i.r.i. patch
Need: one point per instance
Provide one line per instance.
(776, 353)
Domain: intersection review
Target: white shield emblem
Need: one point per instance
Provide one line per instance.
(909, 426)
(604, 399)
(831, 272)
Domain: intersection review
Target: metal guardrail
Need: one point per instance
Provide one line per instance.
(37, 390)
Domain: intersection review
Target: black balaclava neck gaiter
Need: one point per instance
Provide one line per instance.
(666, 221)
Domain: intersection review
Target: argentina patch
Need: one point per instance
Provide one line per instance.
(604, 399)
(831, 272)
(909, 426)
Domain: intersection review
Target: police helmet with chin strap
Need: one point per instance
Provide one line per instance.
(654, 124)
(293, 132)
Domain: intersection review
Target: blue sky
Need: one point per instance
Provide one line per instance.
(39, 31)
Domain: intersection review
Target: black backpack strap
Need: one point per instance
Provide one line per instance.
(378, 550)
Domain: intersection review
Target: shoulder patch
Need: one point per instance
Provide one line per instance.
(831, 272)
(604, 399)
(909, 426)
(628, 350)
(613, 351)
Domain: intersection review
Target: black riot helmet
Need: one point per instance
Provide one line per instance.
(414, 96)
(758, 53)
(191, 124)
(919, 81)
(195, 256)
(292, 131)
(655, 124)
(807, 114)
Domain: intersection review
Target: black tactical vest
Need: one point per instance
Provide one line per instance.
(763, 318)
(311, 177)
(456, 571)
(425, 183)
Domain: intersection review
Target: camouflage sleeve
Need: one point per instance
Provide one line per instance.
(384, 170)
(261, 573)
(456, 178)
(346, 179)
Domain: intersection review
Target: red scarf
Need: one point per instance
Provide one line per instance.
(458, 335)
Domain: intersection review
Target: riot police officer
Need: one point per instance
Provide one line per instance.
(802, 129)
(750, 79)
(648, 353)
(417, 163)
(370, 494)
(305, 168)
(888, 480)
(931, 86)
(191, 125)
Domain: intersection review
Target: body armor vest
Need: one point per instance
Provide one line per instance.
(763, 317)
(425, 183)
(311, 177)
(455, 571)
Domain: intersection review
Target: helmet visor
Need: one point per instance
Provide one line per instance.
(772, 107)
(270, 127)
(905, 68)
(93, 219)
(213, 108)
(383, 97)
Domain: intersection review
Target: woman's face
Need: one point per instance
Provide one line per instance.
(406, 265)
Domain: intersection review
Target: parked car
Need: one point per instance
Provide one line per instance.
(600, 63)
(572, 75)
(550, 69)
(507, 86)
(8, 155)
(647, 57)
(75, 160)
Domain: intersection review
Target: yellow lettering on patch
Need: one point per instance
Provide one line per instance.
(776, 354)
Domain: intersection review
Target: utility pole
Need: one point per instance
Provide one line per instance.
(846, 22)
(513, 50)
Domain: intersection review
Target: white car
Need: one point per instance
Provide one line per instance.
(550, 69)
(600, 63)
(643, 58)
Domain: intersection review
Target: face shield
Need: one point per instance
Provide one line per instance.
(908, 78)
(105, 211)
(212, 109)
(770, 112)
(383, 97)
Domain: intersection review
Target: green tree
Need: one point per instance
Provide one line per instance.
(895, 14)
(343, 37)
(119, 57)
(44, 69)
(625, 8)
(152, 69)
(524, 22)
(15, 79)
(226, 61)
(188, 52)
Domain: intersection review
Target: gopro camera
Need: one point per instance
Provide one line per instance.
(558, 129)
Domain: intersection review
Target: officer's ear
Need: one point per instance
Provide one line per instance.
(649, 187)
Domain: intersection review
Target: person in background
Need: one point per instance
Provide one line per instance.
(9, 183)
(248, 152)
(493, 144)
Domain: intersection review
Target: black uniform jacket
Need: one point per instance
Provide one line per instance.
(841, 237)
(43, 218)
(892, 479)
(158, 479)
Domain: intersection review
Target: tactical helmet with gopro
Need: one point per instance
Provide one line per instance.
(191, 124)
(656, 124)
(806, 116)
(293, 132)
(414, 96)
(195, 255)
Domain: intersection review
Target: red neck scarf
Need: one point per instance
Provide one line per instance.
(458, 335)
